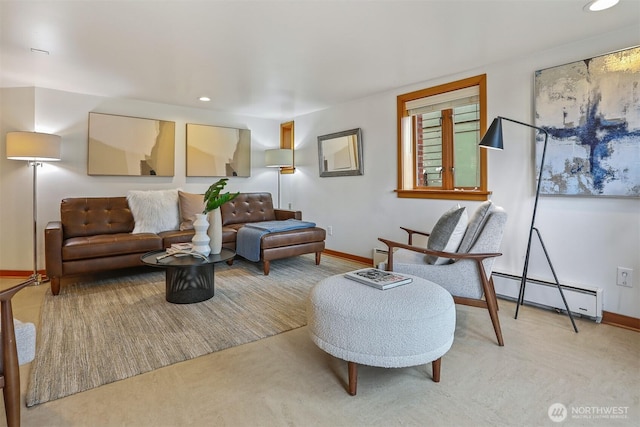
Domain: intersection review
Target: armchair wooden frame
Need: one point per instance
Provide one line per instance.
(490, 301)
(10, 375)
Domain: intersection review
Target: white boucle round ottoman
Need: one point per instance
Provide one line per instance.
(408, 325)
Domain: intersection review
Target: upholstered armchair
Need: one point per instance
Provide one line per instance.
(459, 256)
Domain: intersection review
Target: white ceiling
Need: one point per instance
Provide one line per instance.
(276, 59)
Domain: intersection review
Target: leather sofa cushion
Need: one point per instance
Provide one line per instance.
(185, 236)
(91, 216)
(106, 245)
(248, 207)
(293, 237)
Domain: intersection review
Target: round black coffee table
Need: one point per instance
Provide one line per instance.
(189, 279)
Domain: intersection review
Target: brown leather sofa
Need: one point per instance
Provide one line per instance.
(95, 234)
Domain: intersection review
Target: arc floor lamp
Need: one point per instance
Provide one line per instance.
(35, 148)
(278, 158)
(493, 139)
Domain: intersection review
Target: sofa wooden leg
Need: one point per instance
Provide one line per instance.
(230, 261)
(55, 285)
(265, 267)
(353, 377)
(318, 254)
(435, 368)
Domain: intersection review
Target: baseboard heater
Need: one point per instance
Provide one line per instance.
(582, 300)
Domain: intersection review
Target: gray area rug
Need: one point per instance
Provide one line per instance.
(98, 332)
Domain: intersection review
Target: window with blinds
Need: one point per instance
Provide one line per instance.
(442, 140)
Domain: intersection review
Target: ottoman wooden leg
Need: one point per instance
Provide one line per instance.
(353, 377)
(435, 367)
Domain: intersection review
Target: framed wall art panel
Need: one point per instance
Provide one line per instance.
(218, 151)
(121, 145)
(591, 109)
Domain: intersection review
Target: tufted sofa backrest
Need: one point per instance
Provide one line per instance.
(248, 207)
(89, 216)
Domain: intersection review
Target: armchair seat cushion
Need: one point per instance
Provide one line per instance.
(453, 277)
(25, 342)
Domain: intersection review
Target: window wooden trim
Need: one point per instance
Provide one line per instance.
(479, 194)
(286, 141)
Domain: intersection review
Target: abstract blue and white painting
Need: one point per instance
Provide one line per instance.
(591, 109)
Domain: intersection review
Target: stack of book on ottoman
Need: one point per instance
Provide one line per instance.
(378, 279)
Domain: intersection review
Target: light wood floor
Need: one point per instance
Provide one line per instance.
(287, 381)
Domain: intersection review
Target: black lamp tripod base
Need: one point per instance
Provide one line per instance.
(524, 279)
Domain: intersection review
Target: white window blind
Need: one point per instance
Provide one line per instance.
(443, 101)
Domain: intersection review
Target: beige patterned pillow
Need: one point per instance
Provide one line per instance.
(190, 204)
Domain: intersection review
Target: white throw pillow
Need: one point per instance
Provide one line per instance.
(447, 234)
(154, 211)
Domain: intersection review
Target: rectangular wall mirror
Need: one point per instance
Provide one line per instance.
(218, 151)
(132, 146)
(340, 153)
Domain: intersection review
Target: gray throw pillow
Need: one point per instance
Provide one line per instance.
(447, 234)
(476, 223)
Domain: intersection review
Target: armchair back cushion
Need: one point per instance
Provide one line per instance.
(476, 222)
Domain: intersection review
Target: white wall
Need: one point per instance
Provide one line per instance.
(66, 114)
(587, 238)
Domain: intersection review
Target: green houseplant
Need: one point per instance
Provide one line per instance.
(213, 199)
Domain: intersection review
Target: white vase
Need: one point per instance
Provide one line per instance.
(215, 231)
(201, 239)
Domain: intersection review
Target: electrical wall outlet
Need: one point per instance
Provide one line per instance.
(290, 205)
(330, 230)
(625, 277)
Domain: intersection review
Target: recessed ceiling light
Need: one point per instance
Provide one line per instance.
(598, 5)
(204, 99)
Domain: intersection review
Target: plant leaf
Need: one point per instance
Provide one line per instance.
(212, 197)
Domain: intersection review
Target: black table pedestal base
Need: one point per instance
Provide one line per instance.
(187, 285)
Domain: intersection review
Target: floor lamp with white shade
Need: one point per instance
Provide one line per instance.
(34, 148)
(278, 158)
